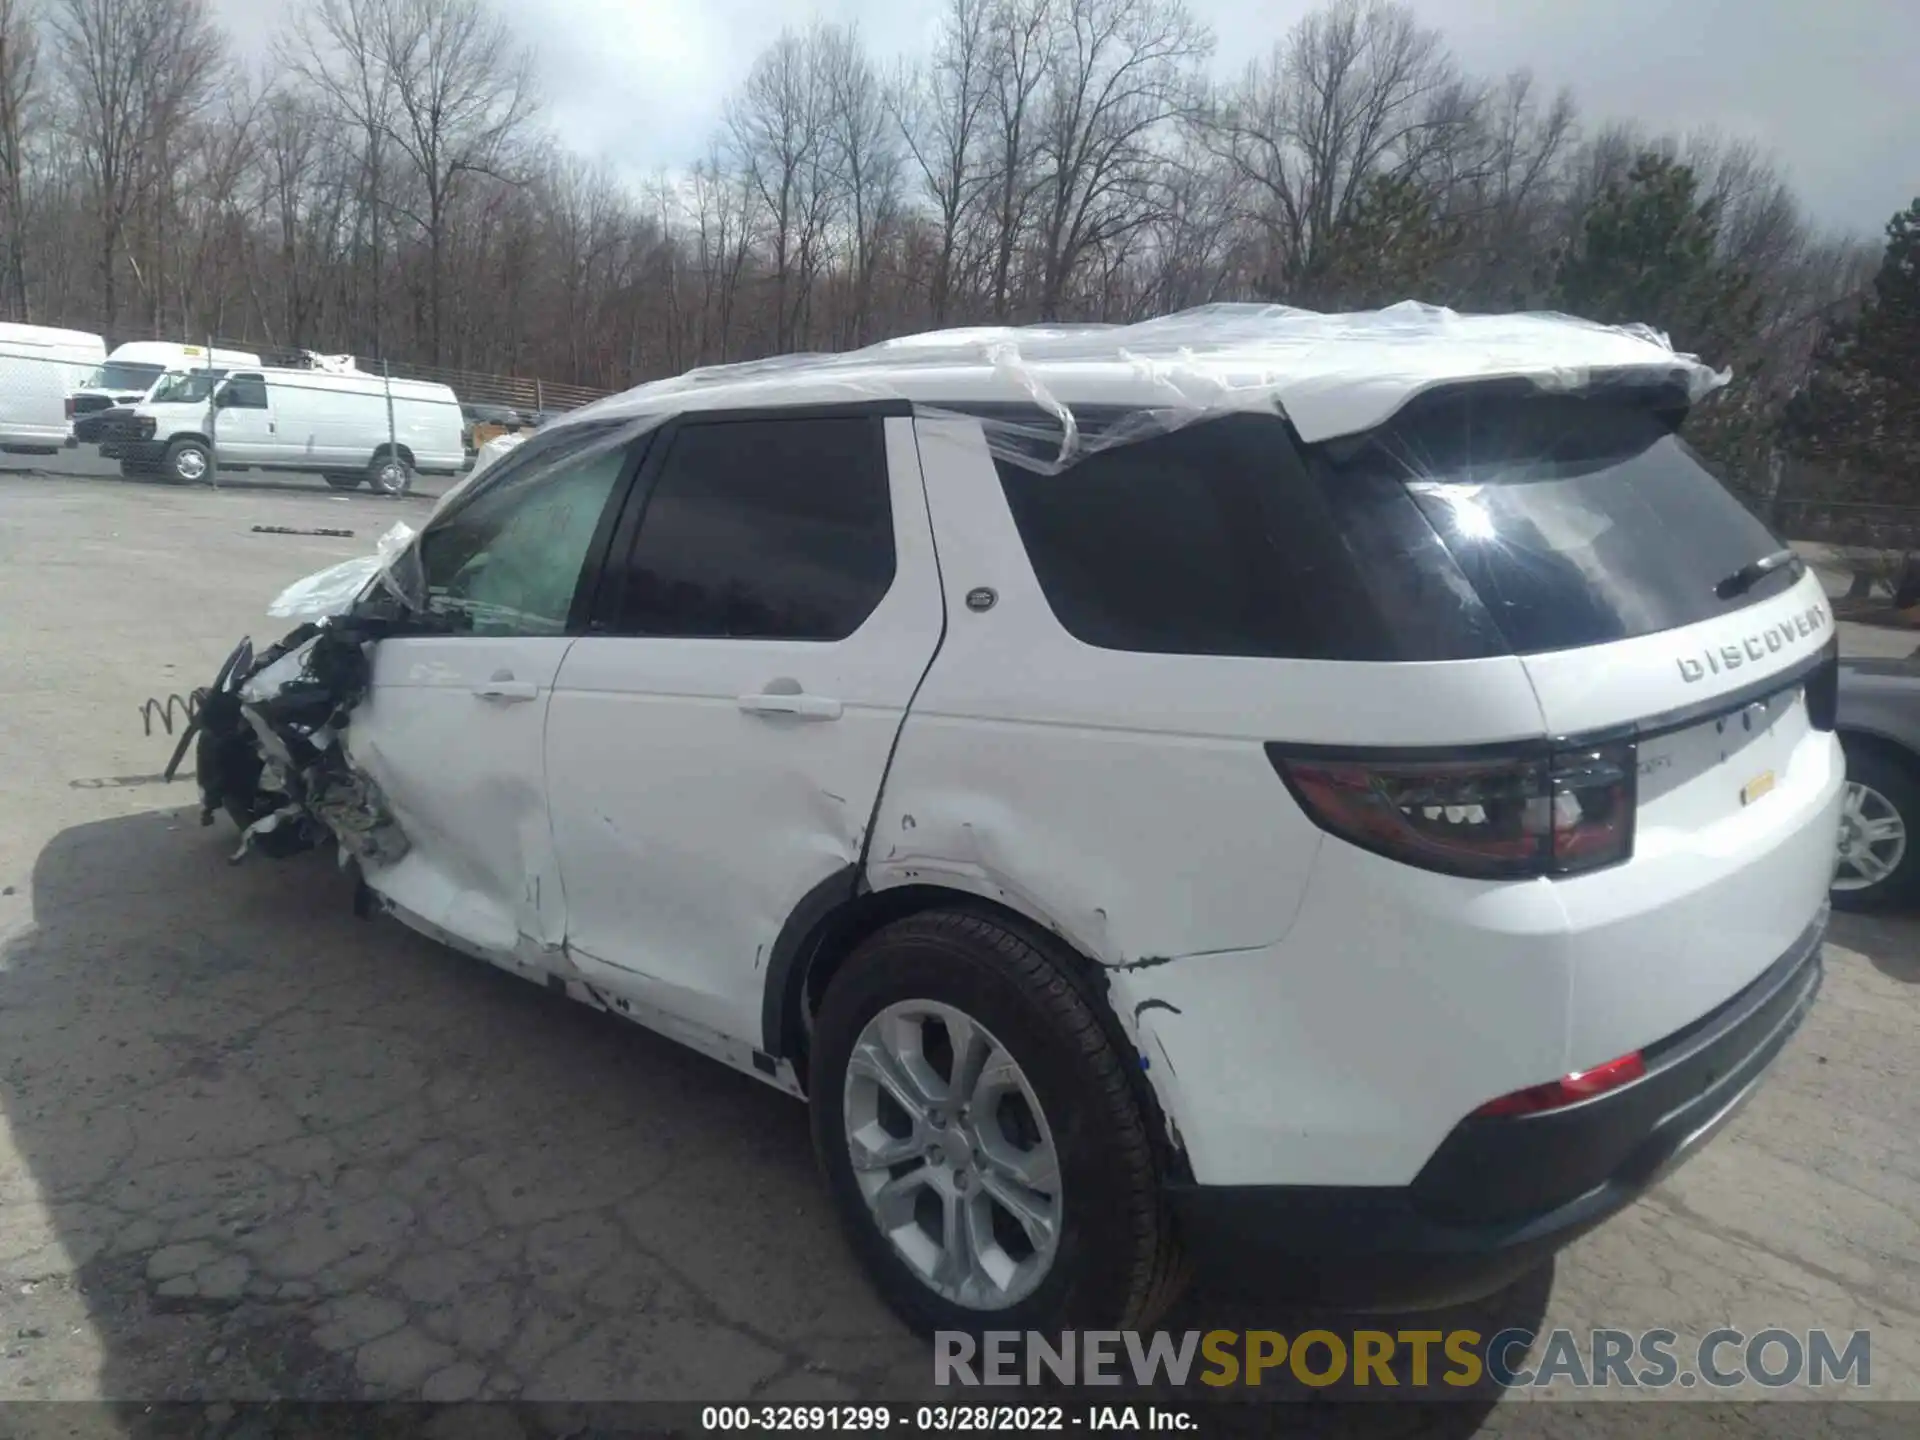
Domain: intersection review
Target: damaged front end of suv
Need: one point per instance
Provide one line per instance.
(269, 734)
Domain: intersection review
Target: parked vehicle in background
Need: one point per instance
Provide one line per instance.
(482, 421)
(39, 366)
(1879, 861)
(337, 424)
(130, 371)
(1358, 829)
(99, 427)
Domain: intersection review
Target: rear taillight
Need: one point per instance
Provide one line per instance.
(1823, 688)
(1568, 1089)
(69, 407)
(1492, 816)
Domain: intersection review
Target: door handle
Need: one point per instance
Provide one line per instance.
(804, 707)
(507, 690)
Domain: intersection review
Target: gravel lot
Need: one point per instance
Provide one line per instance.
(251, 1147)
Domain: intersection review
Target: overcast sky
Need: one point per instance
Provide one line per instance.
(1830, 87)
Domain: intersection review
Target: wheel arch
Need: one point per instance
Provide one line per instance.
(833, 918)
(1869, 737)
(403, 451)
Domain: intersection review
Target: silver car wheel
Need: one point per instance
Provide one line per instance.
(1873, 838)
(953, 1153)
(190, 464)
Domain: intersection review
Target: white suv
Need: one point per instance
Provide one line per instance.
(1345, 801)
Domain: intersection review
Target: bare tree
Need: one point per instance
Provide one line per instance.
(1122, 69)
(1357, 90)
(1022, 33)
(781, 136)
(138, 71)
(463, 93)
(866, 158)
(941, 111)
(19, 98)
(335, 50)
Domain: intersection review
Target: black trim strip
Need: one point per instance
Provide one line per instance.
(1651, 727)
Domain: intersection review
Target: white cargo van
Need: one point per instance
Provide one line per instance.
(129, 372)
(349, 427)
(38, 367)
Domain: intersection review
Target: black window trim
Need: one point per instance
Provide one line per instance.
(607, 604)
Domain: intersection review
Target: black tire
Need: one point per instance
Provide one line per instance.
(389, 474)
(1891, 784)
(187, 462)
(1116, 1264)
(345, 482)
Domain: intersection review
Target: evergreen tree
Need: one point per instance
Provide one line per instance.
(1860, 409)
(1649, 251)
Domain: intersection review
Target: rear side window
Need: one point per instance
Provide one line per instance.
(763, 529)
(245, 392)
(1216, 539)
(1576, 521)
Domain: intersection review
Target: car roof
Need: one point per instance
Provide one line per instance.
(1330, 375)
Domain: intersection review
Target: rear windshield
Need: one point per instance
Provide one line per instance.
(1576, 522)
(1472, 526)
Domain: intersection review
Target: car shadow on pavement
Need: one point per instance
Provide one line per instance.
(1887, 940)
(278, 1152)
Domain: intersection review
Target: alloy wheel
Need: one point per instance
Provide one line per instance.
(1873, 838)
(953, 1153)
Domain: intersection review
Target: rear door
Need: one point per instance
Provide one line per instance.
(453, 726)
(717, 742)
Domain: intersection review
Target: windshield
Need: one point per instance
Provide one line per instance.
(124, 376)
(186, 387)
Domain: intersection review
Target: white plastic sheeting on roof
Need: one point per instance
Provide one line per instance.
(1329, 375)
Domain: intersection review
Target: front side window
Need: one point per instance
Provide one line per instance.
(510, 561)
(764, 529)
(186, 387)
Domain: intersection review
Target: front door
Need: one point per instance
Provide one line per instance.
(243, 421)
(717, 742)
(452, 727)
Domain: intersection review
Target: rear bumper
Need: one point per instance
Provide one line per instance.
(1500, 1196)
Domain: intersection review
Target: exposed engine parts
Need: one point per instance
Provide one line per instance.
(271, 755)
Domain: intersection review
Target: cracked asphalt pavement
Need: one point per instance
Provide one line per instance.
(252, 1147)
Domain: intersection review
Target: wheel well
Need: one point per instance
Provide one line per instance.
(197, 439)
(1881, 745)
(401, 450)
(839, 933)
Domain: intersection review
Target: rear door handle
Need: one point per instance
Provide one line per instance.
(507, 690)
(805, 707)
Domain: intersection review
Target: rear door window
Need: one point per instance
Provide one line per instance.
(778, 529)
(1576, 521)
